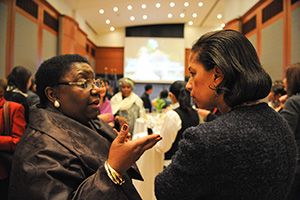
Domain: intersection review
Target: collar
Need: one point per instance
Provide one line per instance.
(175, 105)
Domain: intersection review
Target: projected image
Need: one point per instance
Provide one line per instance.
(157, 60)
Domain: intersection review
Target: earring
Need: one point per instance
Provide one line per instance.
(56, 104)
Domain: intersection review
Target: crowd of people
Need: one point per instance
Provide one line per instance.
(65, 136)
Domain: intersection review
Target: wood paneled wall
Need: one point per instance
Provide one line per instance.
(284, 15)
(110, 60)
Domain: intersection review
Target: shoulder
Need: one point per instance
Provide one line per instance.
(15, 106)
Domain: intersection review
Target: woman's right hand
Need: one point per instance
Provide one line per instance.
(123, 153)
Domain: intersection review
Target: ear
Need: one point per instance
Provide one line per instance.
(51, 94)
(218, 76)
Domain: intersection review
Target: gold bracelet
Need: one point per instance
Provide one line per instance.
(114, 176)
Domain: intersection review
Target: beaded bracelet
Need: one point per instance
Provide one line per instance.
(114, 176)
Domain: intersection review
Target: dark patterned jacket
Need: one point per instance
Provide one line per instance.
(59, 158)
(248, 153)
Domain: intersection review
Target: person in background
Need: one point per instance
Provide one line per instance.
(105, 107)
(12, 126)
(177, 119)
(109, 89)
(276, 92)
(146, 97)
(32, 97)
(248, 152)
(162, 102)
(19, 81)
(126, 105)
(66, 152)
(291, 112)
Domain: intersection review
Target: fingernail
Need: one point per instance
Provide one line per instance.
(124, 127)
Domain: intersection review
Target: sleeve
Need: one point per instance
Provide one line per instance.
(169, 130)
(188, 171)
(291, 113)
(18, 125)
(55, 173)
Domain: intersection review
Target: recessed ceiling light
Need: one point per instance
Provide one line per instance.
(115, 9)
(190, 23)
(222, 25)
(181, 15)
(194, 15)
(219, 16)
(145, 17)
(170, 15)
(112, 28)
(132, 18)
(200, 4)
(144, 6)
(172, 4)
(186, 4)
(157, 5)
(129, 7)
(101, 11)
(107, 21)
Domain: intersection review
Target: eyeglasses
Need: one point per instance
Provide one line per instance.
(85, 83)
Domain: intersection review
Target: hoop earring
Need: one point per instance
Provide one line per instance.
(56, 104)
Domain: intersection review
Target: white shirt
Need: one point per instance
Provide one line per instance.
(169, 129)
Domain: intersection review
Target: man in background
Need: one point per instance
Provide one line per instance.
(145, 97)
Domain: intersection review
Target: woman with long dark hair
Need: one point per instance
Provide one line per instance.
(177, 119)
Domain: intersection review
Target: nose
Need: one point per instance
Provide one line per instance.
(188, 86)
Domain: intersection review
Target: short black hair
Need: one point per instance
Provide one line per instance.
(19, 77)
(164, 94)
(244, 78)
(52, 70)
(293, 79)
(148, 87)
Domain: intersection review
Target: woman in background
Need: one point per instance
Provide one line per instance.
(291, 112)
(105, 107)
(12, 127)
(177, 119)
(248, 152)
(126, 105)
(18, 82)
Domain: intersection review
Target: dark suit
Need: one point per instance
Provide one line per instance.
(60, 158)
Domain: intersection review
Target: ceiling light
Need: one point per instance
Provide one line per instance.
(181, 15)
(222, 25)
(129, 7)
(157, 5)
(194, 15)
(219, 16)
(186, 4)
(172, 4)
(101, 11)
(190, 23)
(145, 17)
(115, 9)
(144, 6)
(200, 4)
(112, 28)
(170, 15)
(132, 18)
(107, 21)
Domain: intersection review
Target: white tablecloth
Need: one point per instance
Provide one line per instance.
(150, 163)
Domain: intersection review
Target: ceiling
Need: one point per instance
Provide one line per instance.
(205, 12)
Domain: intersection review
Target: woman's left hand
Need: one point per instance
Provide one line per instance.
(123, 153)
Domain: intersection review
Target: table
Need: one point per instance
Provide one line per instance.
(150, 163)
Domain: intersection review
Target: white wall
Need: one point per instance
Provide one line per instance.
(111, 39)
